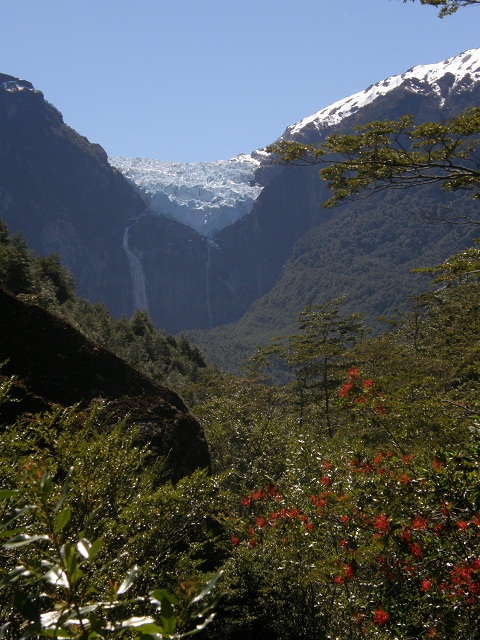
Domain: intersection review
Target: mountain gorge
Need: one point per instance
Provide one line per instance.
(241, 241)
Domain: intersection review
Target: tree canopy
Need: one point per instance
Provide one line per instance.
(447, 7)
(395, 154)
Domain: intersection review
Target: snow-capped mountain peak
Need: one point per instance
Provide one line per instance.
(465, 69)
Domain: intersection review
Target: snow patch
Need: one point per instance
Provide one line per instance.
(17, 85)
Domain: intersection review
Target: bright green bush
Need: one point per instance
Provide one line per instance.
(51, 591)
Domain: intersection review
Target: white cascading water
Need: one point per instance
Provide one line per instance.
(138, 277)
(207, 286)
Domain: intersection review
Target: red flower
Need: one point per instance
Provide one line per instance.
(349, 571)
(381, 523)
(416, 550)
(406, 534)
(462, 525)
(345, 389)
(253, 542)
(246, 501)
(325, 480)
(353, 372)
(235, 541)
(338, 579)
(425, 585)
(380, 617)
(367, 383)
(419, 523)
(309, 527)
(380, 409)
(260, 522)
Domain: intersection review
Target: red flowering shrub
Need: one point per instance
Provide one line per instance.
(391, 552)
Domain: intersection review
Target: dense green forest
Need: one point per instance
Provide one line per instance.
(343, 500)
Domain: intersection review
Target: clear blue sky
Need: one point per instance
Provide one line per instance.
(190, 80)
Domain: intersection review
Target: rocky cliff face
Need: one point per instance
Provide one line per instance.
(59, 190)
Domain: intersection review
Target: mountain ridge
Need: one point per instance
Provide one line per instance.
(60, 191)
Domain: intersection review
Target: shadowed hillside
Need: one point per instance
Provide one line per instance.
(56, 364)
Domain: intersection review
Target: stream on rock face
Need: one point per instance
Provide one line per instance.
(138, 276)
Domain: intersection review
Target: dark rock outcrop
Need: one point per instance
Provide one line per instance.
(56, 364)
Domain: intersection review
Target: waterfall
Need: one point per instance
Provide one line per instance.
(207, 286)
(138, 276)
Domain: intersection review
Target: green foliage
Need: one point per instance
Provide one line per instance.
(68, 547)
(395, 155)
(166, 359)
(369, 532)
(447, 7)
(316, 355)
(43, 280)
(249, 428)
(52, 589)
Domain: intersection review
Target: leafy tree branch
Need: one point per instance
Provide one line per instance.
(447, 7)
(394, 154)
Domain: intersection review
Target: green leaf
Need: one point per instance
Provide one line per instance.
(64, 492)
(5, 494)
(46, 485)
(13, 576)
(63, 519)
(128, 582)
(71, 562)
(15, 514)
(208, 587)
(137, 621)
(159, 595)
(201, 626)
(95, 548)
(84, 548)
(22, 540)
(57, 576)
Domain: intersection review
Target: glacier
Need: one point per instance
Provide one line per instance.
(206, 196)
